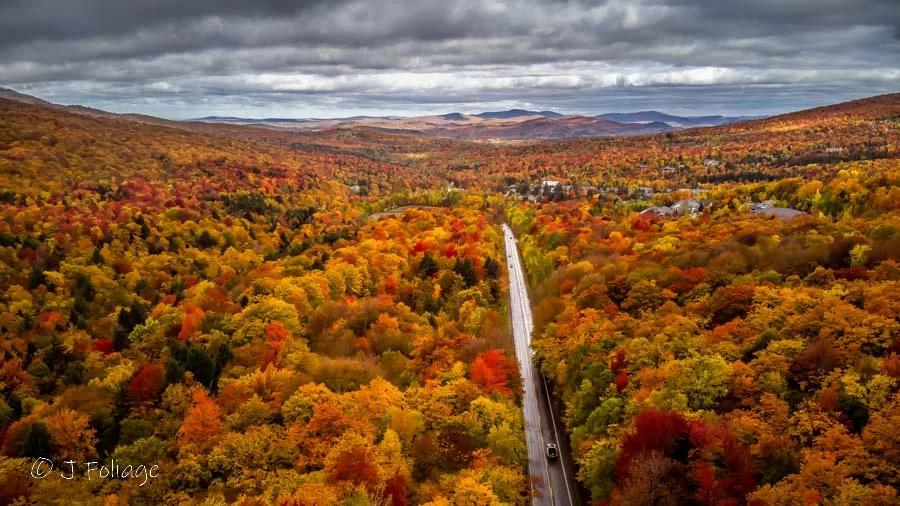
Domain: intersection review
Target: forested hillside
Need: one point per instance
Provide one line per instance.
(727, 357)
(223, 309)
(807, 144)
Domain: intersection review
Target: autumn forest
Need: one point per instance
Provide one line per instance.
(278, 317)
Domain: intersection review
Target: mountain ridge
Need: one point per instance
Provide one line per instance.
(618, 117)
(508, 124)
(521, 124)
(517, 113)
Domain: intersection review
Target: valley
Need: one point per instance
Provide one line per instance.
(351, 315)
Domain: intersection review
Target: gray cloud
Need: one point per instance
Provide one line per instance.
(182, 58)
(23, 21)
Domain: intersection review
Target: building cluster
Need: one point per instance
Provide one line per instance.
(691, 206)
(533, 192)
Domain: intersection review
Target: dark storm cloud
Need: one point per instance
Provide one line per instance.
(188, 57)
(28, 20)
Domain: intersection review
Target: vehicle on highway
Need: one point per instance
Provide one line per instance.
(552, 451)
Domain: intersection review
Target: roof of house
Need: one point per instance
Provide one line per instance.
(685, 203)
(659, 210)
(758, 206)
(781, 212)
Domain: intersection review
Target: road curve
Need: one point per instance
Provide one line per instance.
(552, 481)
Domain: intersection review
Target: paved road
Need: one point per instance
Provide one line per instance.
(553, 481)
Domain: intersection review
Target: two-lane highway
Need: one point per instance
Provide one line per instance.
(552, 480)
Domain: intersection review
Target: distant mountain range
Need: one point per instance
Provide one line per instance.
(518, 113)
(234, 119)
(548, 128)
(511, 124)
(675, 121)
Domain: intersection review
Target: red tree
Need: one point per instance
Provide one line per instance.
(104, 346)
(395, 489)
(356, 467)
(654, 431)
(147, 384)
(621, 381)
(491, 371)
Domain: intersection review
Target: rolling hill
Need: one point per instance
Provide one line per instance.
(550, 128)
(510, 124)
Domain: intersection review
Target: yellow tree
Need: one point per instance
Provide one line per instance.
(72, 437)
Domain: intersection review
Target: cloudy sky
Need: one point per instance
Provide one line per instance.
(328, 58)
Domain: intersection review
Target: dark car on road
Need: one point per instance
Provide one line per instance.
(552, 451)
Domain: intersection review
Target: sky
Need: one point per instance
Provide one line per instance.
(183, 59)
